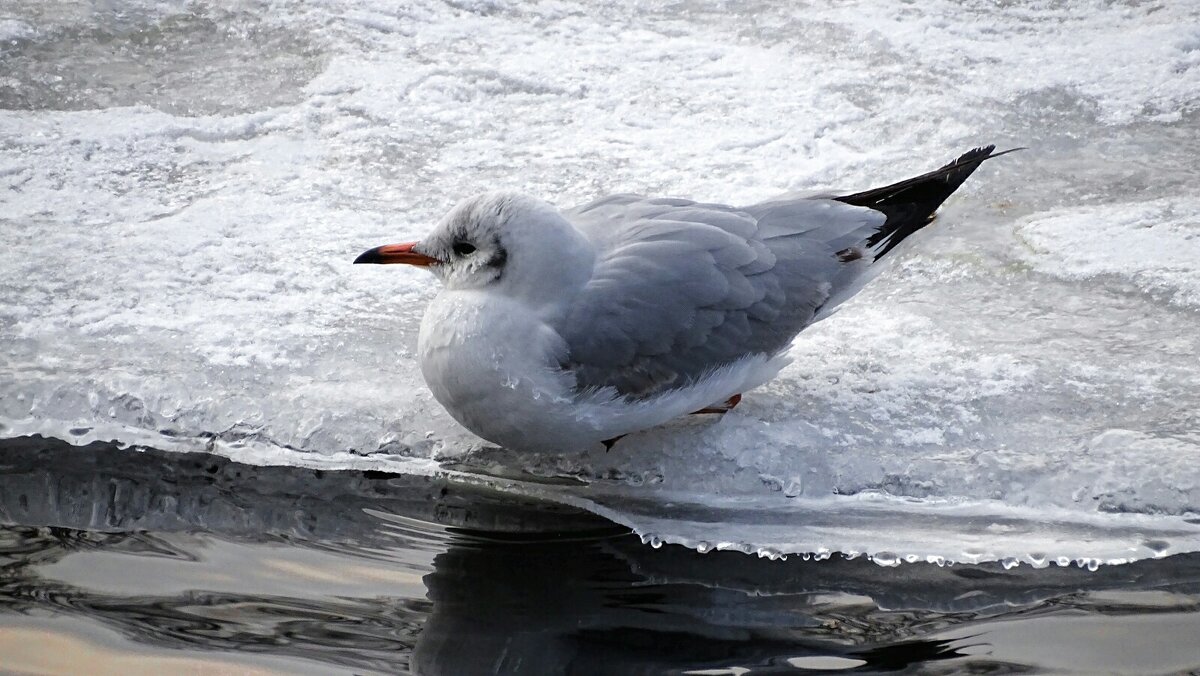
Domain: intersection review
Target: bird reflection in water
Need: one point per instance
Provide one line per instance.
(288, 569)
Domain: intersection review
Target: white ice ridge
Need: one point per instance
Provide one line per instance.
(176, 238)
(1152, 245)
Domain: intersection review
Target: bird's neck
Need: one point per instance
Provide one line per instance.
(548, 271)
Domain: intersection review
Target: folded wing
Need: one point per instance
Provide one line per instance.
(682, 288)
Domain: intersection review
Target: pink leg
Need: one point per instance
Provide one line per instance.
(726, 407)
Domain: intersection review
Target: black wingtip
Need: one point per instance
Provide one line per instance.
(369, 256)
(976, 157)
(909, 205)
(925, 186)
(970, 160)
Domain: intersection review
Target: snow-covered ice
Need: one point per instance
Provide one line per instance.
(183, 187)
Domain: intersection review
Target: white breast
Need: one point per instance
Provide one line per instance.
(494, 365)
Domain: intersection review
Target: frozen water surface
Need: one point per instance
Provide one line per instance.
(183, 187)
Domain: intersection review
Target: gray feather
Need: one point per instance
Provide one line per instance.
(681, 288)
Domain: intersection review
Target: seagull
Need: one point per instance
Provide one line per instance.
(557, 331)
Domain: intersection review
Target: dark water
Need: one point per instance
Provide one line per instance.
(119, 561)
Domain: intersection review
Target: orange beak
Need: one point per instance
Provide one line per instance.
(396, 253)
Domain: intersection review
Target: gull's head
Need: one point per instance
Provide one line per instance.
(501, 241)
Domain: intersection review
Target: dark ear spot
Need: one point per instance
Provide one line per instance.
(499, 258)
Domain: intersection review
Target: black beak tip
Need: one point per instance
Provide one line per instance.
(369, 256)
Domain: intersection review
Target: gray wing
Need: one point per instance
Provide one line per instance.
(681, 288)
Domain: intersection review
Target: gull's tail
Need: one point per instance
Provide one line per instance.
(910, 205)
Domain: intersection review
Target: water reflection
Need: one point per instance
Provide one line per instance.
(367, 572)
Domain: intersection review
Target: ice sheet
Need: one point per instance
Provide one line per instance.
(183, 187)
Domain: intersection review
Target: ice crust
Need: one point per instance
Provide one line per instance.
(177, 222)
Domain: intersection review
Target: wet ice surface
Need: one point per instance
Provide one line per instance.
(184, 189)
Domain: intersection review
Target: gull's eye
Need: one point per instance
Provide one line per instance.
(464, 248)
